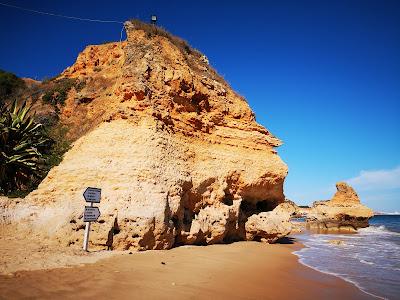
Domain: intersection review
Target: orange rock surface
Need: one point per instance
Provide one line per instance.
(344, 212)
(177, 153)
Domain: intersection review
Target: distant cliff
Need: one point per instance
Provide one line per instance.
(344, 212)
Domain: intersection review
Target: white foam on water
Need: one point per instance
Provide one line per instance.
(377, 230)
(366, 262)
(342, 276)
(370, 259)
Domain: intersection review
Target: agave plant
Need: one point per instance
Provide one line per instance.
(22, 145)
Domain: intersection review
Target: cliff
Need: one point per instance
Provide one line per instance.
(177, 153)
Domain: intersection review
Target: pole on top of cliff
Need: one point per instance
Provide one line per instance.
(153, 19)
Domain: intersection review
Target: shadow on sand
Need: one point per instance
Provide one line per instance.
(287, 240)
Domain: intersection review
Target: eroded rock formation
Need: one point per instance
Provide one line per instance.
(343, 212)
(177, 153)
(268, 226)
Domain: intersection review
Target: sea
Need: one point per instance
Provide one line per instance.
(370, 259)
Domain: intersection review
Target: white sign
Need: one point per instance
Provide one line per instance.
(91, 214)
(92, 195)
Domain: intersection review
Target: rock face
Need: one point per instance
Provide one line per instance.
(178, 155)
(345, 194)
(343, 212)
(268, 226)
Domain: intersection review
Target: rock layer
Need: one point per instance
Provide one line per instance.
(343, 212)
(177, 153)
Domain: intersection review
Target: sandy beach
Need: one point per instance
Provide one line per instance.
(243, 270)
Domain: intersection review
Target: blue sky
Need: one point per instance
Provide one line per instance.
(324, 76)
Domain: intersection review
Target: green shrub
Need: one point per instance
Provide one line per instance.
(48, 79)
(80, 85)
(10, 84)
(23, 143)
(58, 93)
(60, 145)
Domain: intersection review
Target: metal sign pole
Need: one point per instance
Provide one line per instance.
(86, 237)
(90, 214)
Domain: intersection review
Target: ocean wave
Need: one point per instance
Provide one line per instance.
(377, 230)
(366, 262)
(342, 276)
(369, 259)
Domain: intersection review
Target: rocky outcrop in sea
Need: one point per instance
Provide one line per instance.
(344, 212)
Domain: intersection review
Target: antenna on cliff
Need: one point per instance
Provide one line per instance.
(153, 19)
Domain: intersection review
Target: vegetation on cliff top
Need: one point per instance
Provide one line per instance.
(153, 30)
(193, 56)
(10, 85)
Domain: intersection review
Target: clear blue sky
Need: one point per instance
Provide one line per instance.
(324, 76)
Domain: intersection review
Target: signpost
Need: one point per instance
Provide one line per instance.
(91, 213)
(92, 195)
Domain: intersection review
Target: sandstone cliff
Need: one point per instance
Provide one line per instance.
(344, 212)
(177, 153)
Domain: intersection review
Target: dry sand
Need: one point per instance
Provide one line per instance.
(244, 270)
(22, 251)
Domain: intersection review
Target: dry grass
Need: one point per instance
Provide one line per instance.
(153, 30)
(192, 55)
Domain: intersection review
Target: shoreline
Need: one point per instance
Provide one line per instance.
(334, 274)
(242, 270)
(368, 260)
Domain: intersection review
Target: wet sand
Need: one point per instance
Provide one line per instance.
(244, 270)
